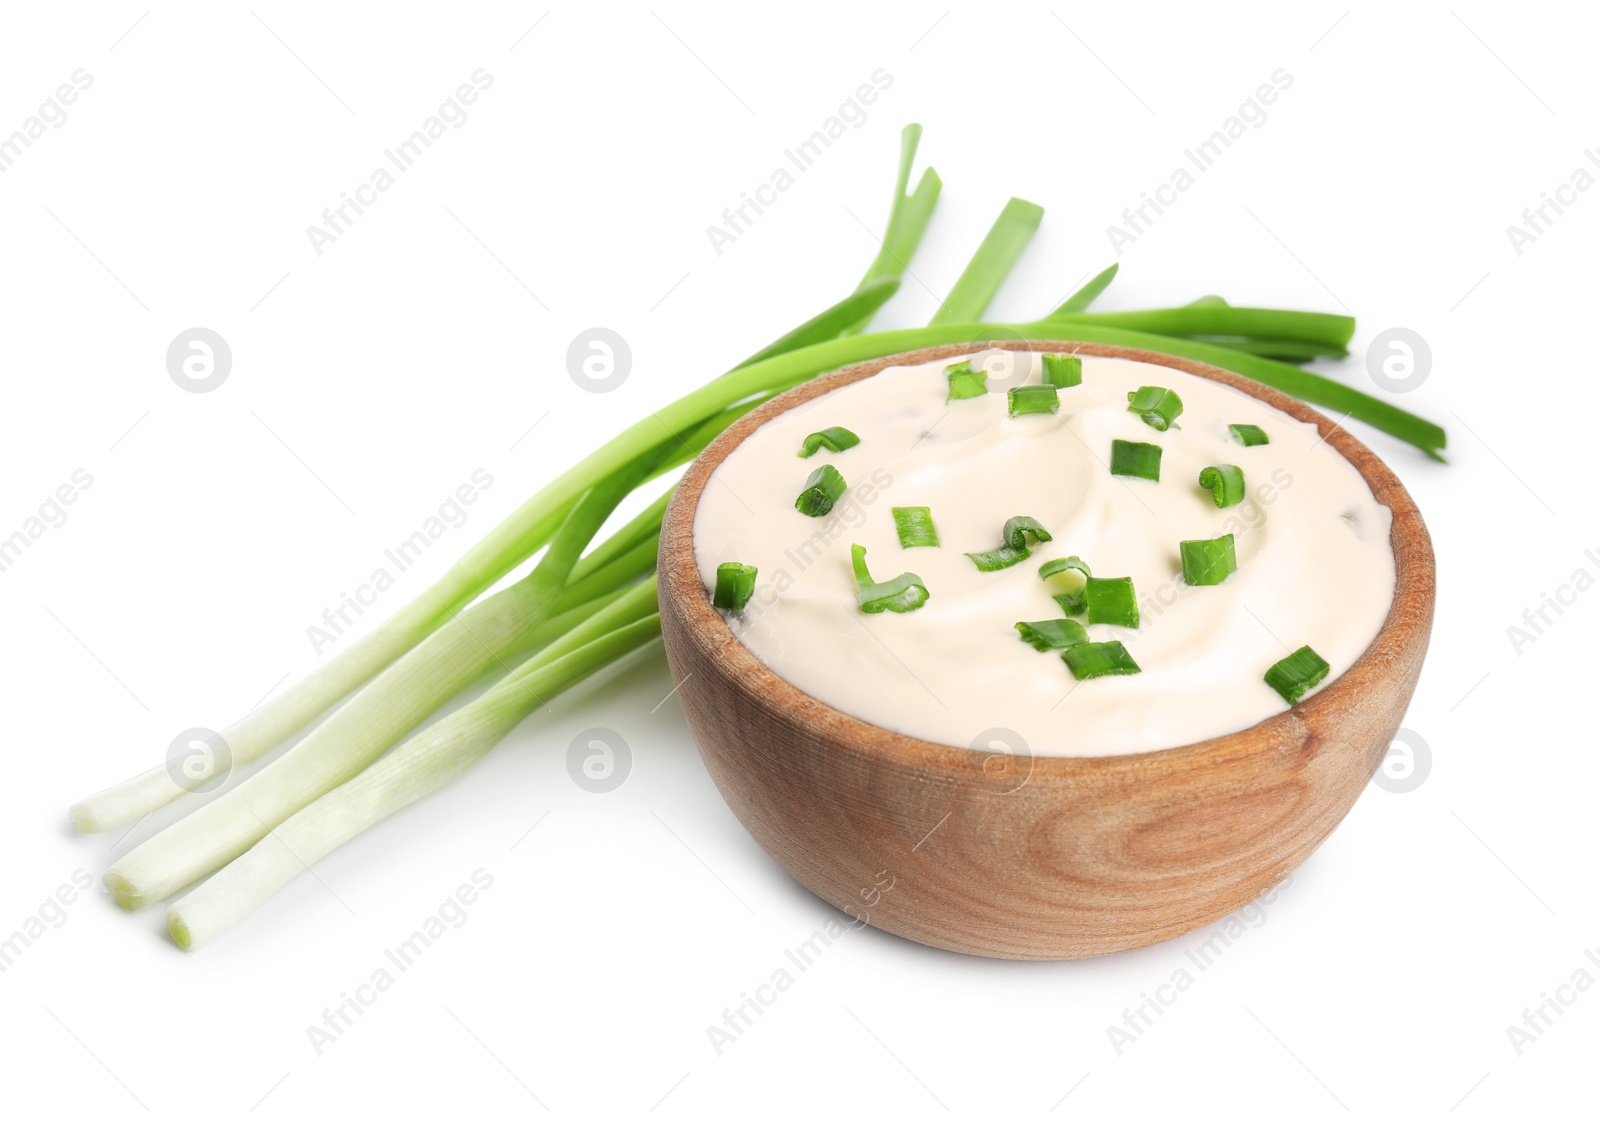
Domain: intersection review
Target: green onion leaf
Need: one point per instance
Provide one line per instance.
(915, 527)
(1207, 561)
(1284, 350)
(1110, 600)
(1248, 435)
(1136, 459)
(736, 584)
(1076, 571)
(1080, 300)
(850, 314)
(966, 382)
(1062, 371)
(1295, 674)
(822, 491)
(1092, 660)
(834, 438)
(981, 279)
(1013, 545)
(1225, 482)
(1049, 635)
(1156, 406)
(908, 217)
(1032, 399)
(905, 593)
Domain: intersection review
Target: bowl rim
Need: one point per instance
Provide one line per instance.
(1407, 622)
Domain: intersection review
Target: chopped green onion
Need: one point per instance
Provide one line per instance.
(1072, 601)
(1110, 600)
(822, 491)
(905, 593)
(1032, 399)
(966, 382)
(1013, 544)
(1207, 561)
(1092, 660)
(1062, 371)
(1016, 531)
(1225, 482)
(736, 584)
(1134, 458)
(835, 438)
(1057, 566)
(1005, 557)
(1248, 435)
(915, 527)
(1048, 635)
(1156, 406)
(1295, 674)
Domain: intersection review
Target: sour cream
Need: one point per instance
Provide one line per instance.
(1314, 561)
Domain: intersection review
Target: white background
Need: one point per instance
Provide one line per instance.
(369, 382)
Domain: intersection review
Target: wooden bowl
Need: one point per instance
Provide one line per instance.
(1042, 857)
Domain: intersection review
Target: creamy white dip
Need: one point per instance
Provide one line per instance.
(1314, 562)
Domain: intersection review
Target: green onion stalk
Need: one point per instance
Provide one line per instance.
(572, 615)
(526, 531)
(423, 764)
(491, 634)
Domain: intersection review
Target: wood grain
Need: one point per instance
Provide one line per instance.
(1049, 857)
